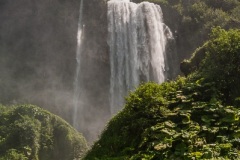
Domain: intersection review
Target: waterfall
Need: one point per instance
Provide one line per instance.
(77, 86)
(137, 41)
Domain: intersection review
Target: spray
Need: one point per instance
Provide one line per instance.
(77, 86)
(137, 42)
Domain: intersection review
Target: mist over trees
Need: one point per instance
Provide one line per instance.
(29, 132)
(37, 49)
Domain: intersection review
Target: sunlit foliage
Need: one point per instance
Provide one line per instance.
(190, 118)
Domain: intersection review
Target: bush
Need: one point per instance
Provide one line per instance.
(222, 62)
(29, 132)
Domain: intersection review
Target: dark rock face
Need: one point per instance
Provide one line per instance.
(38, 57)
(95, 70)
(37, 49)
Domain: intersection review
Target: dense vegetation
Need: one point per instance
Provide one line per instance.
(196, 117)
(28, 132)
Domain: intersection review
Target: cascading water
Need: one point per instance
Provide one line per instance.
(77, 86)
(137, 41)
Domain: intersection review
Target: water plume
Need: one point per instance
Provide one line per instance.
(77, 85)
(137, 41)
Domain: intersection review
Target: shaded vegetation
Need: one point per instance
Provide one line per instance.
(196, 117)
(28, 132)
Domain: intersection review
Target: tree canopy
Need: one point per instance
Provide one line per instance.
(29, 132)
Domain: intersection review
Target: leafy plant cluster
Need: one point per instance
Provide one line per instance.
(177, 120)
(218, 60)
(190, 118)
(28, 132)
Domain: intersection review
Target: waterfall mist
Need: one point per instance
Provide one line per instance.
(77, 87)
(45, 62)
(137, 41)
(137, 49)
(37, 53)
(91, 84)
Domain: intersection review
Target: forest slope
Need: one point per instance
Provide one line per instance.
(196, 117)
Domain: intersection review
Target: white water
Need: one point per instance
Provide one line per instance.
(77, 87)
(137, 41)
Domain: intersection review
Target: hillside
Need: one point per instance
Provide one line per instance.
(194, 117)
(28, 132)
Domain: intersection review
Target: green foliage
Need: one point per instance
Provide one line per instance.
(223, 53)
(221, 62)
(226, 5)
(28, 132)
(208, 17)
(13, 154)
(196, 117)
(176, 120)
(235, 14)
(203, 14)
